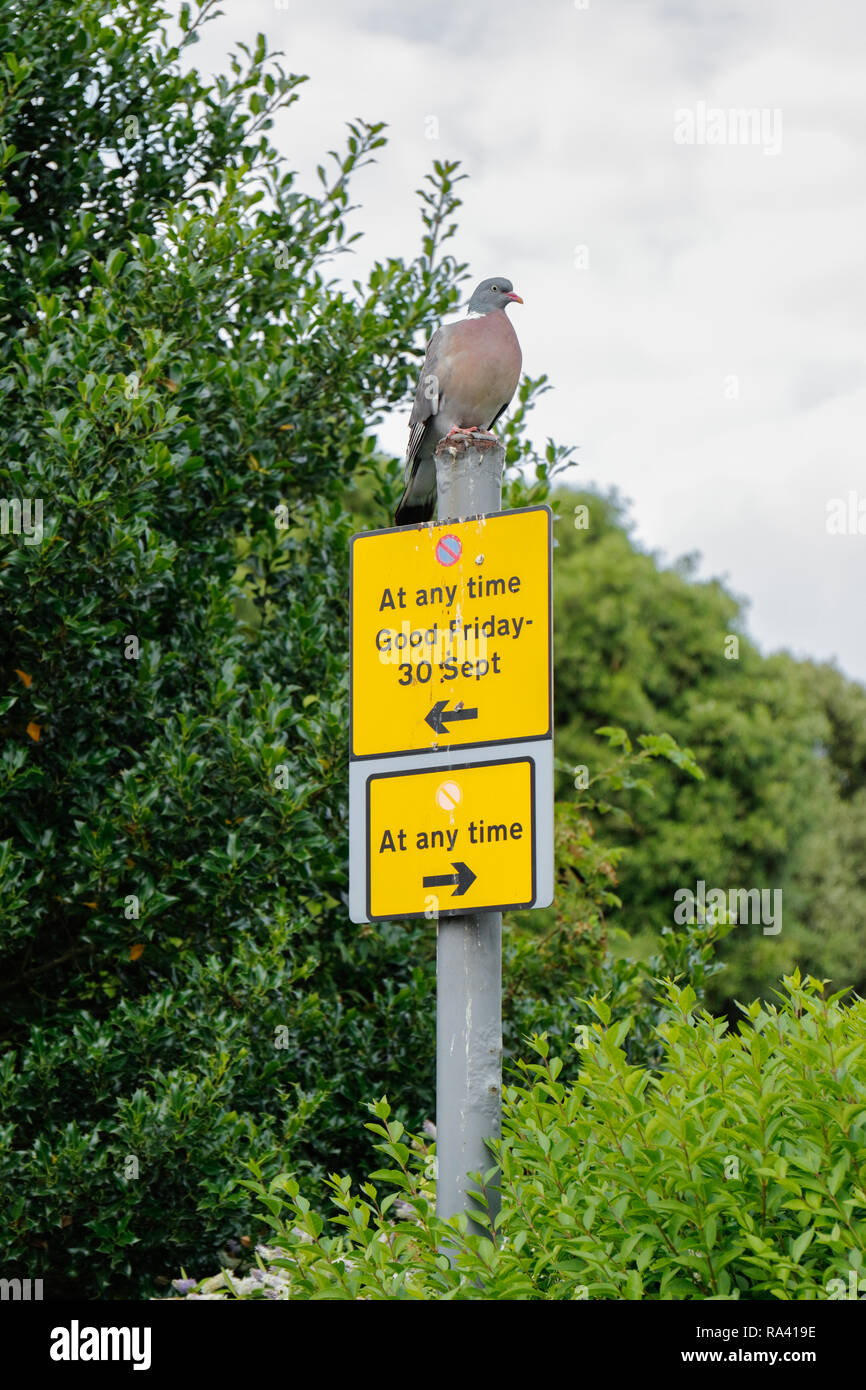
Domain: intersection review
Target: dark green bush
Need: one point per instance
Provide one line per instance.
(187, 394)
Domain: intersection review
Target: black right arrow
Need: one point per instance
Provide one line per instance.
(437, 718)
(463, 879)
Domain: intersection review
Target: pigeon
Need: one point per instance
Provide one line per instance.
(469, 375)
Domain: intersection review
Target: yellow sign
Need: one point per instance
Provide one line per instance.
(451, 841)
(451, 634)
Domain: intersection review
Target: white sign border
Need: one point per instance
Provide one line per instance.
(540, 751)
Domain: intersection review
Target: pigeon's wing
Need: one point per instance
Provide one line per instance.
(427, 398)
(499, 412)
(502, 409)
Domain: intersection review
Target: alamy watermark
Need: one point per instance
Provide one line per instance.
(22, 516)
(20, 1290)
(748, 905)
(854, 1287)
(846, 516)
(77, 1343)
(738, 125)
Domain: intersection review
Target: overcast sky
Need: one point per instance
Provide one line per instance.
(693, 283)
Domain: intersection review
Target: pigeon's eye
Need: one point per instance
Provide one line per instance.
(493, 289)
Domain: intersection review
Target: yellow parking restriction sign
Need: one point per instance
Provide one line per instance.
(451, 634)
(448, 841)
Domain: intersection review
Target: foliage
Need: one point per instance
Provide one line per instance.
(550, 957)
(191, 398)
(187, 393)
(782, 743)
(735, 1172)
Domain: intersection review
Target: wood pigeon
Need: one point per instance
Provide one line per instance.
(469, 375)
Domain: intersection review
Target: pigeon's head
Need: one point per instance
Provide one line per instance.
(496, 293)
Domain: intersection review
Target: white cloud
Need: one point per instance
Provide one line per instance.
(704, 262)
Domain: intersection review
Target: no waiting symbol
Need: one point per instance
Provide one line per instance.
(448, 796)
(448, 549)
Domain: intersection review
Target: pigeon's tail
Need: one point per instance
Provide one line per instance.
(410, 512)
(418, 502)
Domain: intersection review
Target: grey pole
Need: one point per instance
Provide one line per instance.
(469, 949)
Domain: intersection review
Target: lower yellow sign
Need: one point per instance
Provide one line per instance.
(451, 841)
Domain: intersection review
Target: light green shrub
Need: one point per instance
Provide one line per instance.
(734, 1172)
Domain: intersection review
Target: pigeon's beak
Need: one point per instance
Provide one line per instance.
(516, 298)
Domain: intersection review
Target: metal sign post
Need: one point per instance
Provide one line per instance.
(451, 765)
(468, 949)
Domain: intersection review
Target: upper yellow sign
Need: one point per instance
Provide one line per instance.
(451, 634)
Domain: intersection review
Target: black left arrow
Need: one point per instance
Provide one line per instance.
(439, 720)
(463, 879)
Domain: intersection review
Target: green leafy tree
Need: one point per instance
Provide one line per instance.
(186, 392)
(780, 741)
(189, 394)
